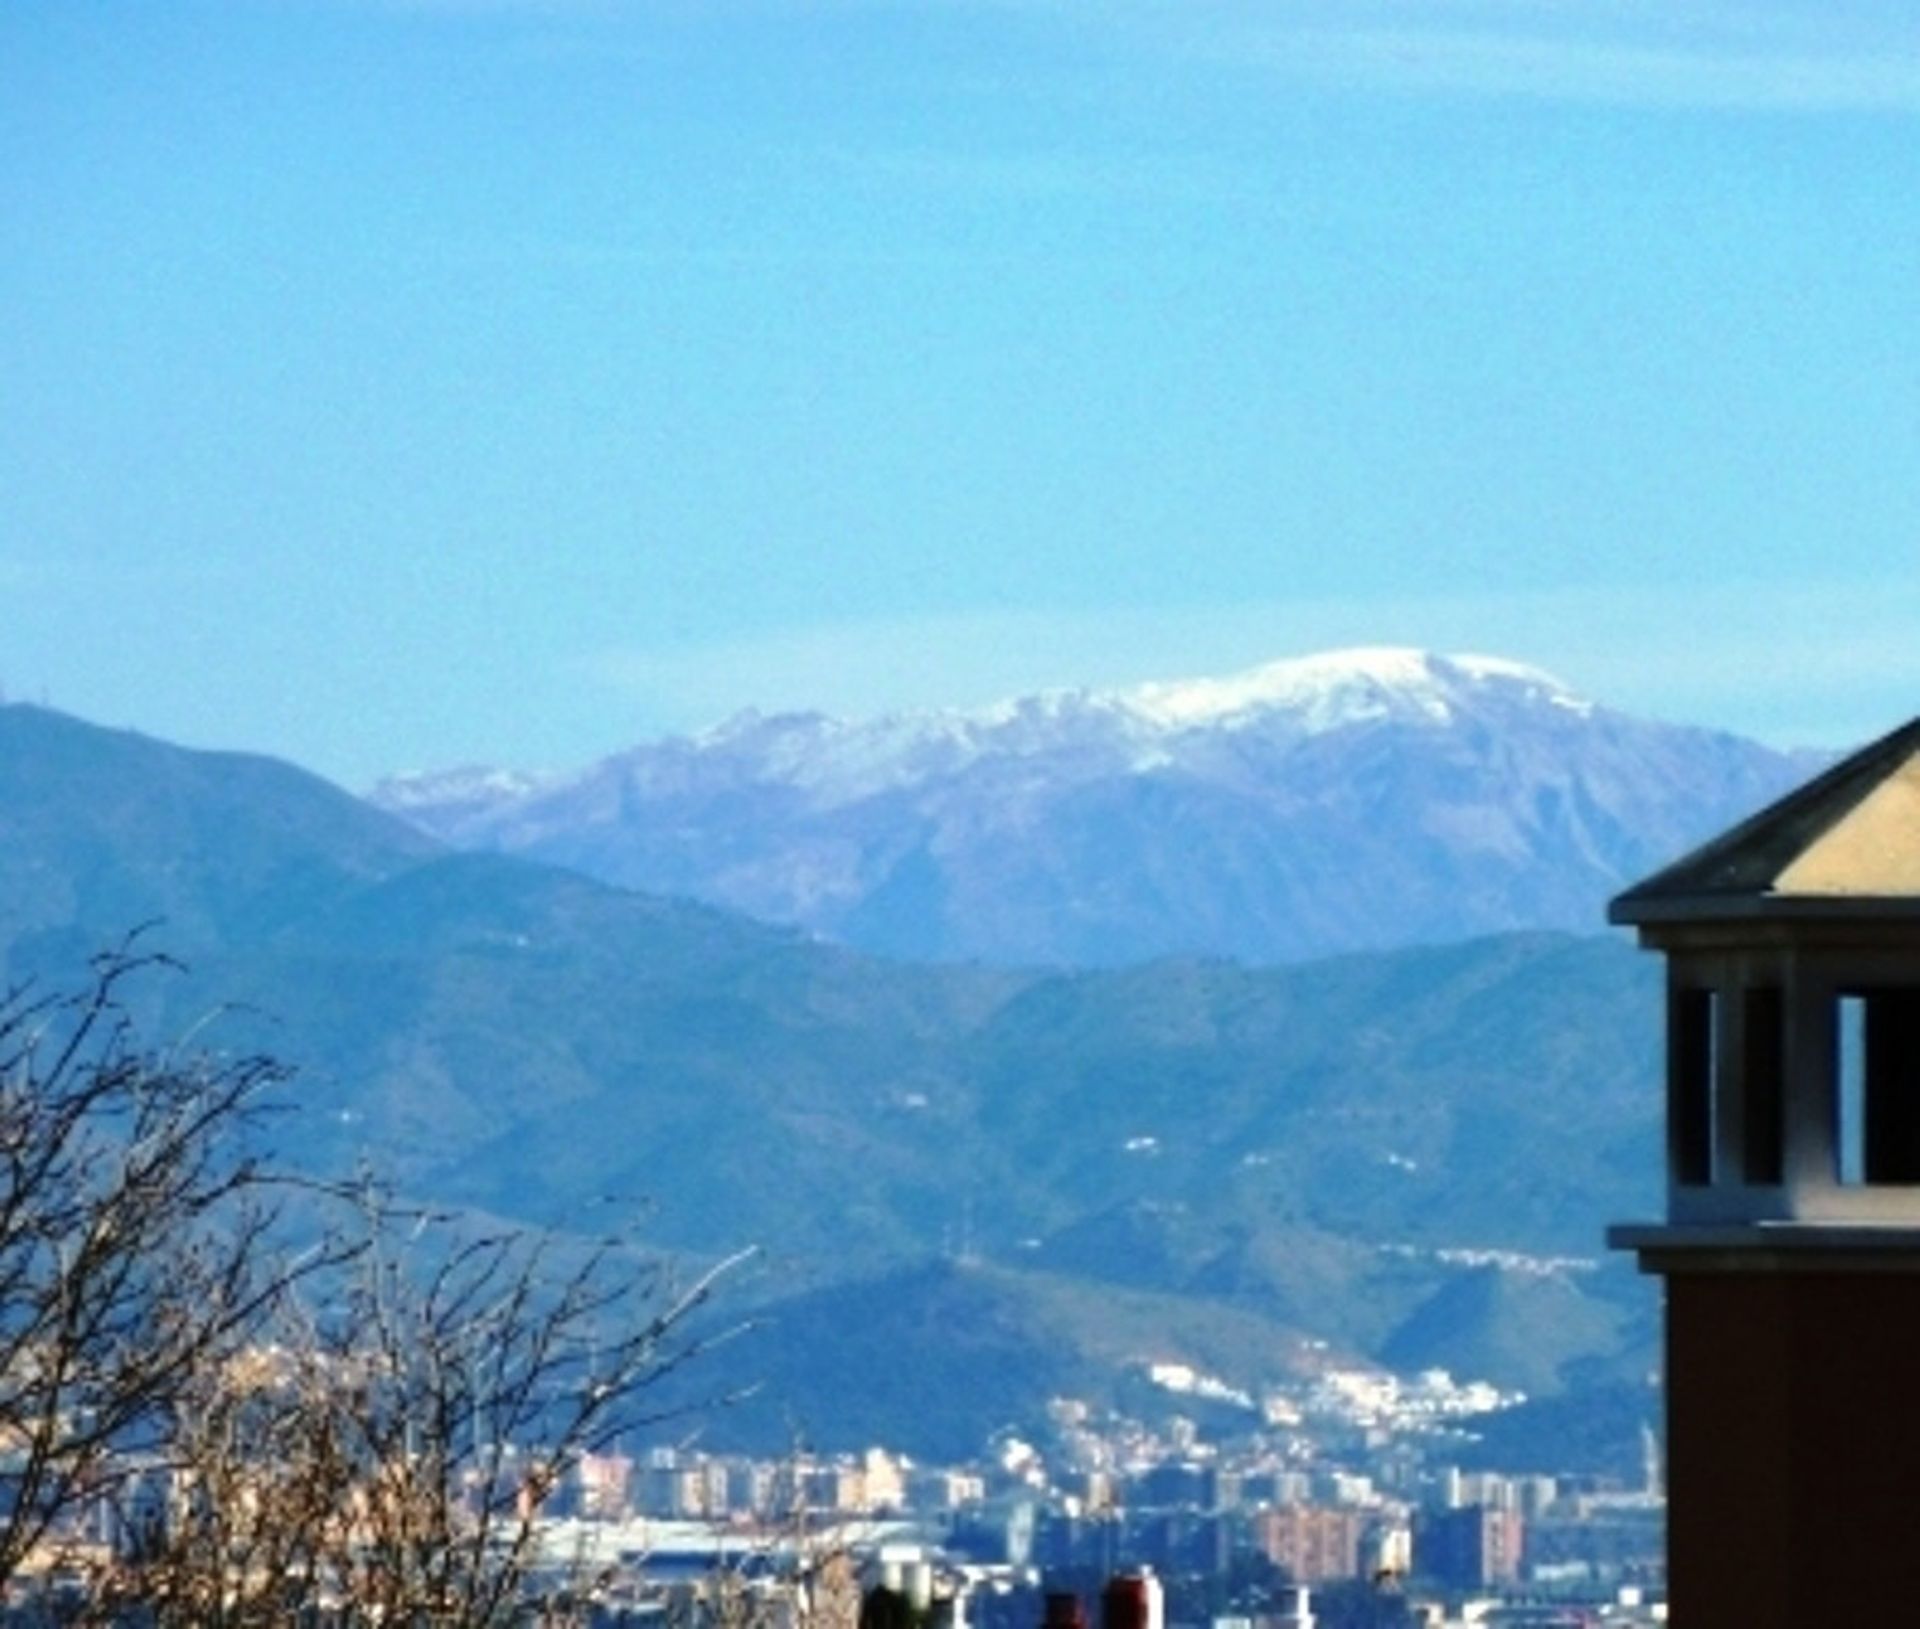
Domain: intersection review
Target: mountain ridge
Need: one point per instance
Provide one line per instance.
(1353, 800)
(1319, 692)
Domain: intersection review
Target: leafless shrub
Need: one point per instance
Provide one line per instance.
(133, 1244)
(389, 1456)
(468, 1375)
(209, 1431)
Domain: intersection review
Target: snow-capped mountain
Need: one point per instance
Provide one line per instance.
(1338, 688)
(1343, 801)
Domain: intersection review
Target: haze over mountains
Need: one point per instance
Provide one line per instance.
(1351, 801)
(1088, 1169)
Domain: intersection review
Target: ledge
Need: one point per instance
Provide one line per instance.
(1769, 1247)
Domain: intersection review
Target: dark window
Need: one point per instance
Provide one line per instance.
(1892, 1077)
(1690, 1061)
(1878, 1106)
(1764, 1045)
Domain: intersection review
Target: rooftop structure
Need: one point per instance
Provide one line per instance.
(1791, 1244)
(1793, 955)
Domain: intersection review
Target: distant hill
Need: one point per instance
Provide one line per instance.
(1354, 801)
(101, 830)
(1517, 1327)
(934, 1356)
(1600, 1431)
(1327, 1149)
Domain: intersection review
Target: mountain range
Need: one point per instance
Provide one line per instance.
(1356, 800)
(1407, 1154)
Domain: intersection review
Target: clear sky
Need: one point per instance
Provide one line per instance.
(388, 385)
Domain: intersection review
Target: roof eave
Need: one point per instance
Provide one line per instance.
(1631, 911)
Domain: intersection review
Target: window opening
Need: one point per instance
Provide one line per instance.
(1690, 1065)
(1891, 1075)
(1763, 1124)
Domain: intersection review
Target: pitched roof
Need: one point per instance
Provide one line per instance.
(1850, 835)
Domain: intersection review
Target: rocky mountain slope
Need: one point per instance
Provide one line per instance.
(1357, 800)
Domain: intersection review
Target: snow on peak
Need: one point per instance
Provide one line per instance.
(1341, 687)
(1498, 667)
(466, 783)
(1033, 741)
(1138, 727)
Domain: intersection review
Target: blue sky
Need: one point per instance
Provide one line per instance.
(387, 385)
